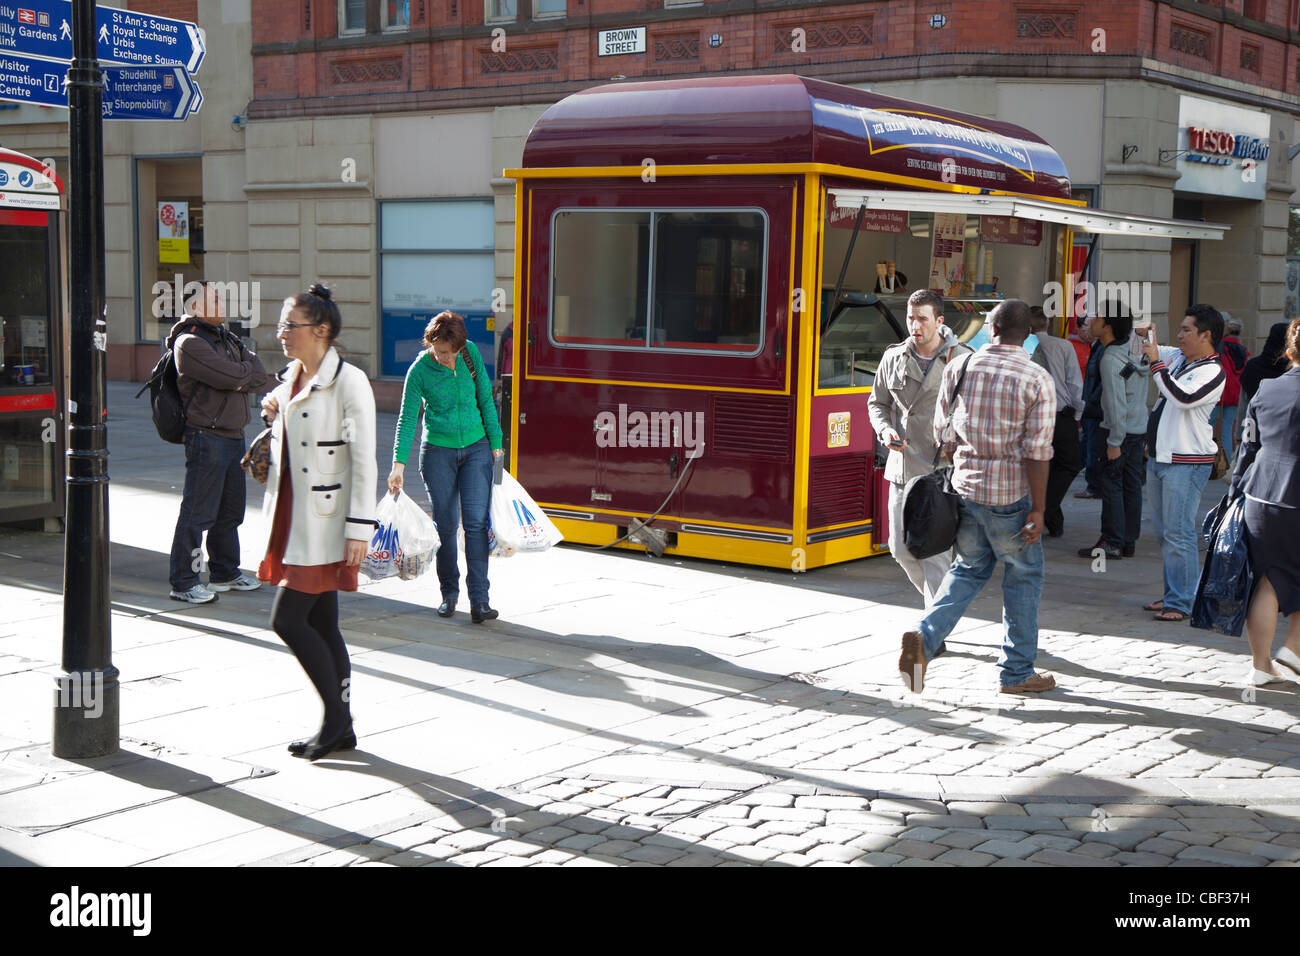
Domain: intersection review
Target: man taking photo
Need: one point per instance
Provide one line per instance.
(1181, 443)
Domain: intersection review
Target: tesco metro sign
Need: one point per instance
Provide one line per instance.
(1221, 148)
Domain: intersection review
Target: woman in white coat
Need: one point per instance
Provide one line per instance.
(321, 494)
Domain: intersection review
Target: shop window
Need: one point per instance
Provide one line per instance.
(549, 8)
(433, 255)
(397, 15)
(502, 10)
(645, 279)
(352, 17)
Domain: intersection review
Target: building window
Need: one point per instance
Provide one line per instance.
(1255, 10)
(683, 3)
(502, 10)
(549, 8)
(642, 279)
(434, 255)
(397, 15)
(352, 16)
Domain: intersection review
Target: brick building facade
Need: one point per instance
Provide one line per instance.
(362, 142)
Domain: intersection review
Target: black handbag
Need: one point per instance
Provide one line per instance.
(931, 509)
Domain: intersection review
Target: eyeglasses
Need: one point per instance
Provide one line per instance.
(286, 326)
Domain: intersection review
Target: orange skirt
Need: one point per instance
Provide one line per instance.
(308, 578)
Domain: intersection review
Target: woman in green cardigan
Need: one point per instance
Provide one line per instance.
(462, 436)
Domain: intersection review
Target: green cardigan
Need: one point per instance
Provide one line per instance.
(456, 415)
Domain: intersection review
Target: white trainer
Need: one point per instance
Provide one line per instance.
(1289, 659)
(241, 583)
(1260, 678)
(195, 595)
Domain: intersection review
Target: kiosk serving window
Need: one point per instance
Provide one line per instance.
(650, 279)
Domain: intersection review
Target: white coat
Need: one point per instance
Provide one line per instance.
(330, 430)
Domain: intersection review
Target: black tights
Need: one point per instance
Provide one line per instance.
(309, 625)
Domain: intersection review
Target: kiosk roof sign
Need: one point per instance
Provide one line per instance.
(44, 28)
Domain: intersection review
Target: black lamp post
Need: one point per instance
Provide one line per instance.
(86, 700)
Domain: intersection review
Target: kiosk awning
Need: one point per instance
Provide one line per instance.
(1079, 218)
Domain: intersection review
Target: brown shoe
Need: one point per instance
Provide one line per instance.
(912, 663)
(1036, 684)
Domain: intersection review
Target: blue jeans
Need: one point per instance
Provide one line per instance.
(987, 534)
(459, 482)
(1175, 492)
(213, 501)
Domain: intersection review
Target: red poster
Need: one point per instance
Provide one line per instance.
(873, 220)
(1010, 230)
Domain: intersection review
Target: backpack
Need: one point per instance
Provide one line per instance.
(165, 399)
(1233, 357)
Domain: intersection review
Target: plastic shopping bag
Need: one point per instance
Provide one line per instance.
(517, 523)
(404, 543)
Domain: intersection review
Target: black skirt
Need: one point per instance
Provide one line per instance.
(1273, 536)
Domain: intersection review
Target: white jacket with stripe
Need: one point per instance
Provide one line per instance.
(1180, 422)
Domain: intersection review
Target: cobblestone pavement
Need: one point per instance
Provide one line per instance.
(627, 711)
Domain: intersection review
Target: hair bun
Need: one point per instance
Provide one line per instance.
(319, 290)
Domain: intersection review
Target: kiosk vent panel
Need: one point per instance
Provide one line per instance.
(837, 490)
(752, 427)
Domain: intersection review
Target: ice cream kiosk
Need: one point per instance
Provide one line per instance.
(32, 437)
(708, 272)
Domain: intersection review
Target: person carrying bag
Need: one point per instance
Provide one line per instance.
(462, 438)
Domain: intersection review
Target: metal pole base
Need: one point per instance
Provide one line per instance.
(86, 714)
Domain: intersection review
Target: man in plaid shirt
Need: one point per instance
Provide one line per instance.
(1001, 424)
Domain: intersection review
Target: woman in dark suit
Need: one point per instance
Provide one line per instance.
(1268, 473)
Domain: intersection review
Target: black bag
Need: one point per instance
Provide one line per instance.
(931, 508)
(165, 399)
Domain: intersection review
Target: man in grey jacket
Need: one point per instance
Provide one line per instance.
(215, 375)
(1122, 434)
(902, 414)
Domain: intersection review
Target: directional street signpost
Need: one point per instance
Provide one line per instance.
(149, 59)
(27, 79)
(44, 28)
(149, 92)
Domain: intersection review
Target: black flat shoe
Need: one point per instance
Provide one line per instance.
(446, 609)
(1129, 550)
(314, 750)
(478, 613)
(1106, 549)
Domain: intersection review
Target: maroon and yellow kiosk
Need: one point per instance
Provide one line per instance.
(32, 433)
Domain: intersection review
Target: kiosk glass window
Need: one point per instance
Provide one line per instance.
(973, 261)
(25, 308)
(643, 279)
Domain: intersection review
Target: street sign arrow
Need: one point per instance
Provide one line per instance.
(44, 28)
(149, 93)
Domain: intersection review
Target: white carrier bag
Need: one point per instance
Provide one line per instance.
(517, 524)
(404, 543)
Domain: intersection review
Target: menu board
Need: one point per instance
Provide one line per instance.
(1010, 230)
(946, 252)
(873, 220)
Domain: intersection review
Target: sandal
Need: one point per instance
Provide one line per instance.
(1173, 617)
(1154, 606)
